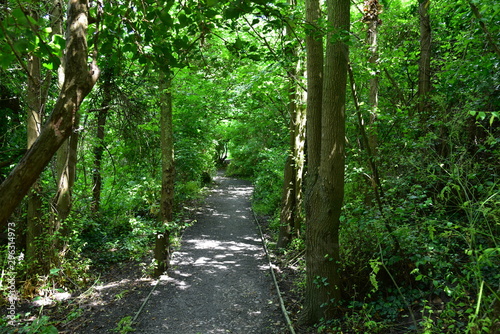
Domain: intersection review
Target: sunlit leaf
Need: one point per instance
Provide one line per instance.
(48, 66)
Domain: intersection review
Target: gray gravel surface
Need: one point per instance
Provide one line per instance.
(219, 279)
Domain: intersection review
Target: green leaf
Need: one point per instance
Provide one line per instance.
(6, 60)
(50, 330)
(231, 13)
(128, 48)
(54, 271)
(18, 14)
(21, 46)
(183, 20)
(166, 18)
(57, 45)
(49, 66)
(494, 115)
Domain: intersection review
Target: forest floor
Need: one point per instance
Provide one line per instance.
(218, 281)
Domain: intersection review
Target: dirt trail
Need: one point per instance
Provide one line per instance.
(219, 280)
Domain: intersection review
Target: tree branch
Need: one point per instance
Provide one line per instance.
(477, 14)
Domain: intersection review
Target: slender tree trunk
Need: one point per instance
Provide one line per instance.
(290, 215)
(102, 115)
(35, 224)
(299, 152)
(323, 291)
(66, 159)
(374, 180)
(287, 205)
(162, 244)
(424, 66)
(78, 82)
(38, 228)
(371, 18)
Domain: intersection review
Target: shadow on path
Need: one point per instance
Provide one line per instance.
(219, 280)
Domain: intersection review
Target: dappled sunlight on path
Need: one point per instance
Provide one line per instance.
(218, 281)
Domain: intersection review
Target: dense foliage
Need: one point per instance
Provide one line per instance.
(424, 257)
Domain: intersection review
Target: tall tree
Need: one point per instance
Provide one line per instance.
(292, 197)
(102, 114)
(38, 226)
(372, 20)
(34, 225)
(162, 244)
(314, 68)
(323, 291)
(168, 35)
(79, 80)
(314, 65)
(65, 162)
(424, 65)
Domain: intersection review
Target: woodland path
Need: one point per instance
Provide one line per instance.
(219, 279)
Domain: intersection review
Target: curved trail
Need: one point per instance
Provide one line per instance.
(219, 280)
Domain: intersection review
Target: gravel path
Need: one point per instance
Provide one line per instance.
(219, 279)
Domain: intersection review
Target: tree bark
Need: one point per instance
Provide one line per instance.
(290, 215)
(299, 153)
(424, 67)
(66, 159)
(162, 243)
(287, 205)
(102, 115)
(323, 290)
(78, 82)
(314, 67)
(34, 222)
(371, 18)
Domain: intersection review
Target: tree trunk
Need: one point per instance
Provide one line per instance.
(424, 66)
(34, 224)
(314, 46)
(66, 159)
(299, 136)
(314, 66)
(78, 82)
(162, 244)
(326, 195)
(287, 205)
(290, 215)
(314, 70)
(102, 115)
(371, 18)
